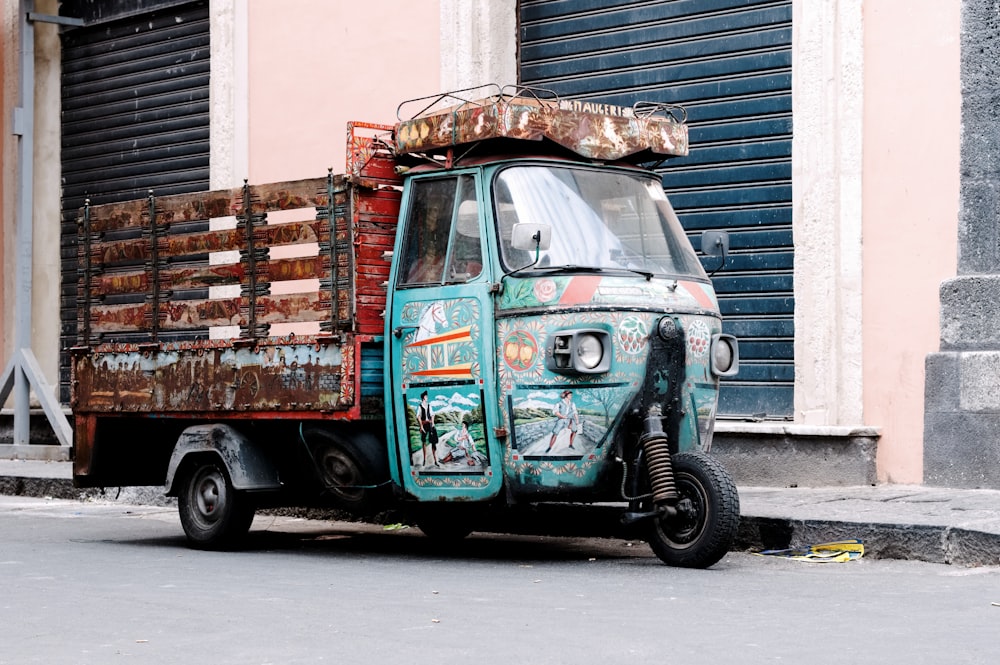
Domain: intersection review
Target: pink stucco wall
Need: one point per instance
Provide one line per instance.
(314, 65)
(910, 207)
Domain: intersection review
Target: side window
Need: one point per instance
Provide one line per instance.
(442, 243)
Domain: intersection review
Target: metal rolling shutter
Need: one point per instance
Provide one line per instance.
(135, 115)
(728, 62)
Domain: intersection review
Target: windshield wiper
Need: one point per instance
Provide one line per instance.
(567, 268)
(644, 273)
(572, 268)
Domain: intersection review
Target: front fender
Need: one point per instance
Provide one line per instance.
(248, 468)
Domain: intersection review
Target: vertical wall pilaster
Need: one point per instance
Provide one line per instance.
(962, 394)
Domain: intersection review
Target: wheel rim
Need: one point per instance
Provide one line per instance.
(342, 475)
(685, 528)
(208, 496)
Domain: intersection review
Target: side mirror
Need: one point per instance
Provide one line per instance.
(715, 243)
(531, 237)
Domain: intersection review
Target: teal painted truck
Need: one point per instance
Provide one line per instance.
(492, 308)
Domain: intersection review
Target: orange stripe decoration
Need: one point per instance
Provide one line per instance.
(580, 290)
(461, 371)
(696, 291)
(457, 335)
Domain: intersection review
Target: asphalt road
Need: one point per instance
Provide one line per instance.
(105, 583)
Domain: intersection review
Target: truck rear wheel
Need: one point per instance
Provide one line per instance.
(214, 514)
(708, 514)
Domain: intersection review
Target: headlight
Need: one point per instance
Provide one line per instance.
(725, 355)
(589, 350)
(586, 351)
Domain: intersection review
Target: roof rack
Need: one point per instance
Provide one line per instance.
(591, 129)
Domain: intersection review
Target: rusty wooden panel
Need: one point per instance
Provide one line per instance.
(368, 152)
(119, 252)
(294, 233)
(380, 167)
(174, 315)
(210, 205)
(198, 206)
(282, 377)
(293, 307)
(201, 277)
(136, 281)
(378, 203)
(371, 252)
(126, 267)
(111, 216)
(175, 208)
(290, 195)
(111, 253)
(180, 245)
(201, 314)
(120, 318)
(310, 267)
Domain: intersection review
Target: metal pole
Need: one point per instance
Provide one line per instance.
(25, 191)
(23, 370)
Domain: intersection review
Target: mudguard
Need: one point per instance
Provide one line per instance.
(248, 468)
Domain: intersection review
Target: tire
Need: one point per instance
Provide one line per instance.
(705, 527)
(214, 514)
(349, 470)
(444, 525)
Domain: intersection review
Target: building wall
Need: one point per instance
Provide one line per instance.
(8, 98)
(46, 189)
(911, 183)
(827, 91)
(315, 65)
(962, 404)
(45, 272)
(876, 90)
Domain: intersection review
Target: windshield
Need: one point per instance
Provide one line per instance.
(600, 219)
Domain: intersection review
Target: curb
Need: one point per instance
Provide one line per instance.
(914, 542)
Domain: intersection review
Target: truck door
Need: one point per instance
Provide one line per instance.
(440, 355)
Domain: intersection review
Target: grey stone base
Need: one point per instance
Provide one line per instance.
(962, 420)
(39, 430)
(44, 444)
(774, 455)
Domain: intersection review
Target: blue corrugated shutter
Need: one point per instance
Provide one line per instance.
(729, 63)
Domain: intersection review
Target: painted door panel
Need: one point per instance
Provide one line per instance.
(441, 348)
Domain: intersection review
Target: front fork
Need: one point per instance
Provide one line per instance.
(654, 455)
(662, 386)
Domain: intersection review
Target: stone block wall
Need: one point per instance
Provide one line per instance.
(962, 389)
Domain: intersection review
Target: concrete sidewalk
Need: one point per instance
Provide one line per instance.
(938, 525)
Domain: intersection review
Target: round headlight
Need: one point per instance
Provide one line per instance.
(589, 350)
(722, 355)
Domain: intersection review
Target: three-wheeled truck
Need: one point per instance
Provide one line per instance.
(493, 307)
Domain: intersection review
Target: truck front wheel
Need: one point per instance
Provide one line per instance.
(214, 514)
(707, 518)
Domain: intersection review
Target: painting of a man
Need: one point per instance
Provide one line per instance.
(567, 417)
(428, 432)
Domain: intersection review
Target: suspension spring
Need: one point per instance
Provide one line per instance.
(659, 467)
